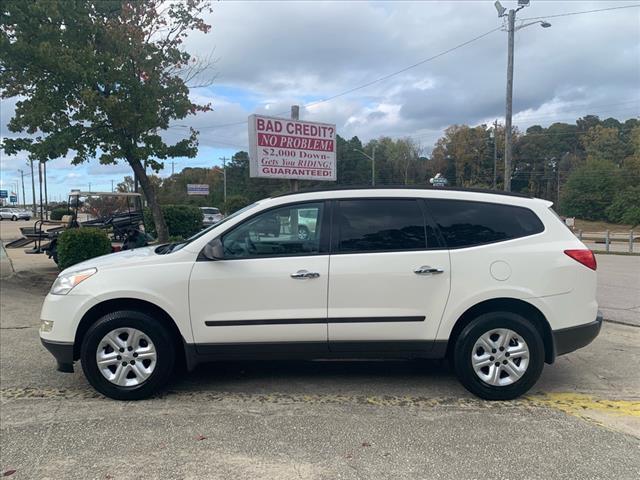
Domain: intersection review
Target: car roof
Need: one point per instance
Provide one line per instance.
(493, 196)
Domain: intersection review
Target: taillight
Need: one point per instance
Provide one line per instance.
(584, 256)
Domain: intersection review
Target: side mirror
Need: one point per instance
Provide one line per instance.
(213, 250)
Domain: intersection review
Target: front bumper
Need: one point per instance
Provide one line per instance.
(62, 352)
(569, 339)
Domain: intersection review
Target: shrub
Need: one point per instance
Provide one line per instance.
(78, 244)
(625, 207)
(182, 220)
(235, 203)
(58, 213)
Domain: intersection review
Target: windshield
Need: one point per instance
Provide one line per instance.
(210, 211)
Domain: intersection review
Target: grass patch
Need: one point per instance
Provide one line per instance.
(604, 252)
(590, 226)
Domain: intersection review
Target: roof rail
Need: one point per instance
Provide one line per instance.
(406, 187)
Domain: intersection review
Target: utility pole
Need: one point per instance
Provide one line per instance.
(224, 178)
(511, 30)
(46, 196)
(295, 115)
(111, 186)
(511, 21)
(33, 188)
(24, 198)
(172, 168)
(373, 166)
(495, 155)
(40, 183)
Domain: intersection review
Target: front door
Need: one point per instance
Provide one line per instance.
(271, 286)
(389, 278)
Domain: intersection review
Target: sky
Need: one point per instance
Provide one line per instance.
(271, 55)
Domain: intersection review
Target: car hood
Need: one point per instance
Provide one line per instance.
(137, 255)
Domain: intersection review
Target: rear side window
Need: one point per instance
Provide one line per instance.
(379, 225)
(465, 224)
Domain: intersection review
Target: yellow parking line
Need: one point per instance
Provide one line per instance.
(578, 403)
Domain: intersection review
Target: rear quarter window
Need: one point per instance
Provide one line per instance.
(466, 223)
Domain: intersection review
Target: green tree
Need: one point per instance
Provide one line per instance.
(590, 190)
(235, 203)
(100, 79)
(604, 143)
(625, 207)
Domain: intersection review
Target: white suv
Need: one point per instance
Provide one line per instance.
(495, 283)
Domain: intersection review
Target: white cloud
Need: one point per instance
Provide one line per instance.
(275, 54)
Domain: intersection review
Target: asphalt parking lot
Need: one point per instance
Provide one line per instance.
(326, 419)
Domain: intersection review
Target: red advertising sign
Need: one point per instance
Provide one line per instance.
(282, 148)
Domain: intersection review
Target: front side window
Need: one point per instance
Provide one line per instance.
(465, 224)
(379, 225)
(290, 230)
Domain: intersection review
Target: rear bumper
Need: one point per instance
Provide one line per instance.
(62, 352)
(569, 339)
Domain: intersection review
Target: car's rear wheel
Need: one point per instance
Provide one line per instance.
(14, 218)
(127, 355)
(499, 356)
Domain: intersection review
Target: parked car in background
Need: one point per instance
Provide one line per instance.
(495, 283)
(211, 216)
(9, 213)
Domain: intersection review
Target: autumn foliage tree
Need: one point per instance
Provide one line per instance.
(100, 79)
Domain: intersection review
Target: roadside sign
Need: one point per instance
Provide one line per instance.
(13, 199)
(4, 193)
(283, 148)
(197, 189)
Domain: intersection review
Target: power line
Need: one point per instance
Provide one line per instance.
(377, 80)
(567, 14)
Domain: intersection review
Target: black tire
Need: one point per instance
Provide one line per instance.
(303, 233)
(464, 349)
(151, 327)
(14, 218)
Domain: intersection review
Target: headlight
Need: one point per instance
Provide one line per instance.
(65, 283)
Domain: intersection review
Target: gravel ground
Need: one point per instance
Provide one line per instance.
(316, 420)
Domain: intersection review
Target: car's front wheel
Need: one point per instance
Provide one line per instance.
(14, 218)
(127, 355)
(499, 356)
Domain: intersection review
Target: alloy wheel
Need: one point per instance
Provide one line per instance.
(500, 357)
(126, 357)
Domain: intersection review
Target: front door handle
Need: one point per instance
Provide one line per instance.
(427, 270)
(302, 274)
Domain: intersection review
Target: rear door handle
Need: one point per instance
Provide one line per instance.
(303, 274)
(427, 270)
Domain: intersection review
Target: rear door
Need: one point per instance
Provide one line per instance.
(389, 277)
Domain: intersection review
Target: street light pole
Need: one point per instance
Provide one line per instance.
(373, 163)
(224, 177)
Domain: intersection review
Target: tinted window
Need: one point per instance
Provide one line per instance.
(374, 225)
(464, 224)
(292, 230)
(210, 211)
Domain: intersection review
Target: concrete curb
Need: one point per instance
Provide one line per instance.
(622, 322)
